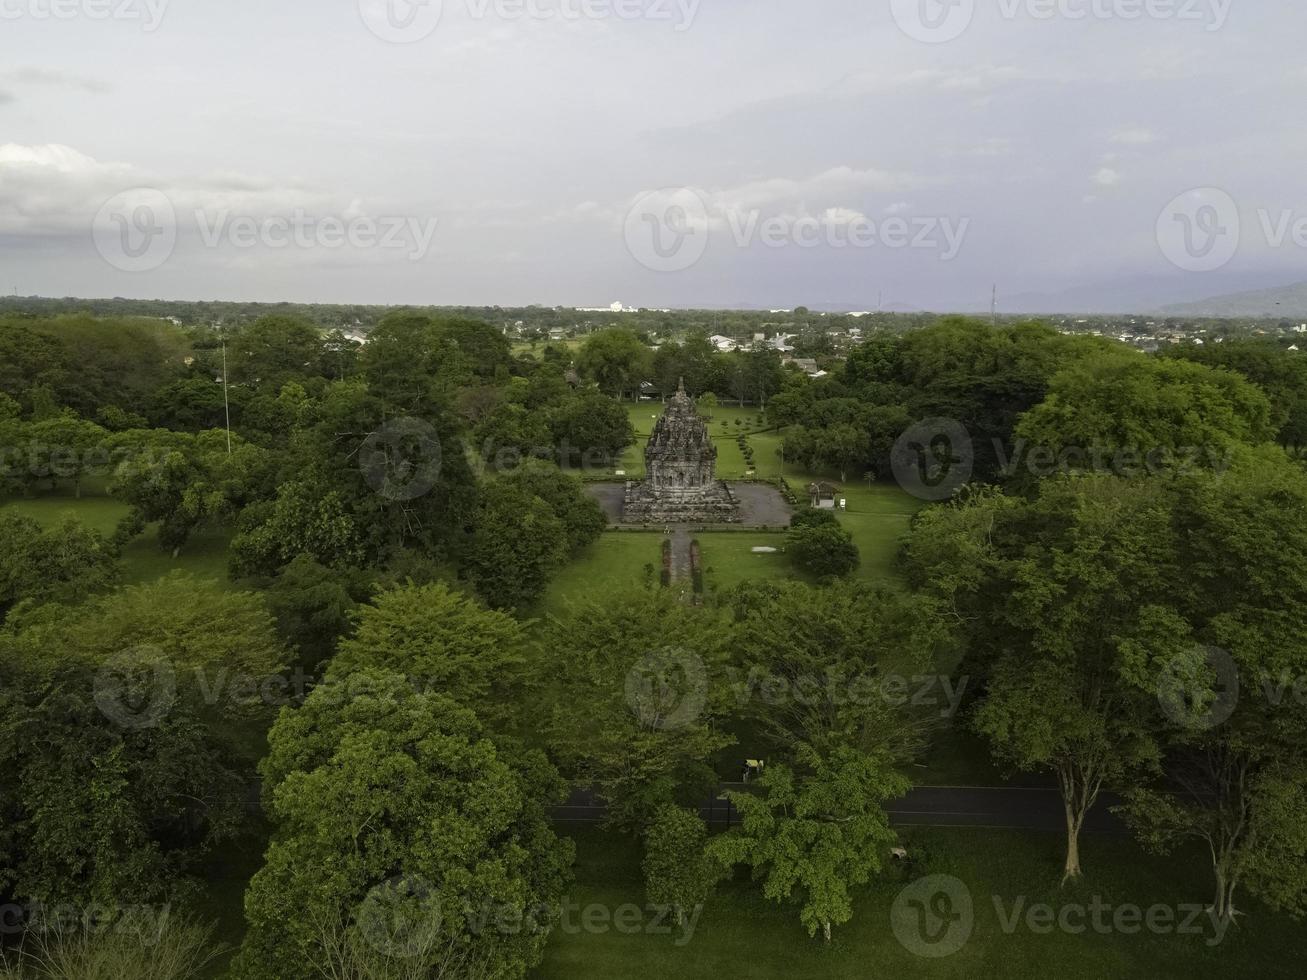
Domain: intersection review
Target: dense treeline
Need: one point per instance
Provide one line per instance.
(1128, 534)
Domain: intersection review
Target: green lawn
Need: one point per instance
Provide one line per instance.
(741, 934)
(205, 555)
(728, 558)
(614, 563)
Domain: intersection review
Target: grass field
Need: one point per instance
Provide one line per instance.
(741, 934)
(614, 563)
(205, 555)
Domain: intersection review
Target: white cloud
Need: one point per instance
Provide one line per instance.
(1106, 177)
(1134, 136)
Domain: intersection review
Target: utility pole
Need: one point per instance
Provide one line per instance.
(226, 405)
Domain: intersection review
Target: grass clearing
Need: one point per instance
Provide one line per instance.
(741, 934)
(613, 564)
(204, 556)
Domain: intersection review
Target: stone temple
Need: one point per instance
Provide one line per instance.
(681, 463)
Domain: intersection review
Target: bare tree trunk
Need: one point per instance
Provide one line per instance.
(1074, 821)
(825, 929)
(1080, 784)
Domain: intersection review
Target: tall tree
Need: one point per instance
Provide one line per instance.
(403, 839)
(814, 835)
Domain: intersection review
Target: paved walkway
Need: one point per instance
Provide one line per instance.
(680, 554)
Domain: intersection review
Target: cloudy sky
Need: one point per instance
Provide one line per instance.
(763, 153)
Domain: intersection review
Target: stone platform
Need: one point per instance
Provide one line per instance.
(714, 503)
(760, 505)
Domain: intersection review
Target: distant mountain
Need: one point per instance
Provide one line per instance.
(1146, 294)
(1281, 301)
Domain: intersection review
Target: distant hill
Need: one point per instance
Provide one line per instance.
(1283, 301)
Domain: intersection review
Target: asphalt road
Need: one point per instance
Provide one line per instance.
(995, 807)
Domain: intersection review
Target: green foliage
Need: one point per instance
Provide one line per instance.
(446, 642)
(826, 551)
(829, 667)
(677, 871)
(273, 350)
(62, 564)
(1152, 408)
(815, 835)
(314, 606)
(633, 694)
(403, 839)
(121, 767)
(616, 360)
(186, 481)
(1280, 373)
(590, 429)
(528, 523)
(299, 522)
(86, 363)
(160, 946)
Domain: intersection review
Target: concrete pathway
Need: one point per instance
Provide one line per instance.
(680, 554)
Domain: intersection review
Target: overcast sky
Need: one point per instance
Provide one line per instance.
(759, 153)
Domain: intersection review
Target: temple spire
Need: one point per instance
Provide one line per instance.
(680, 387)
